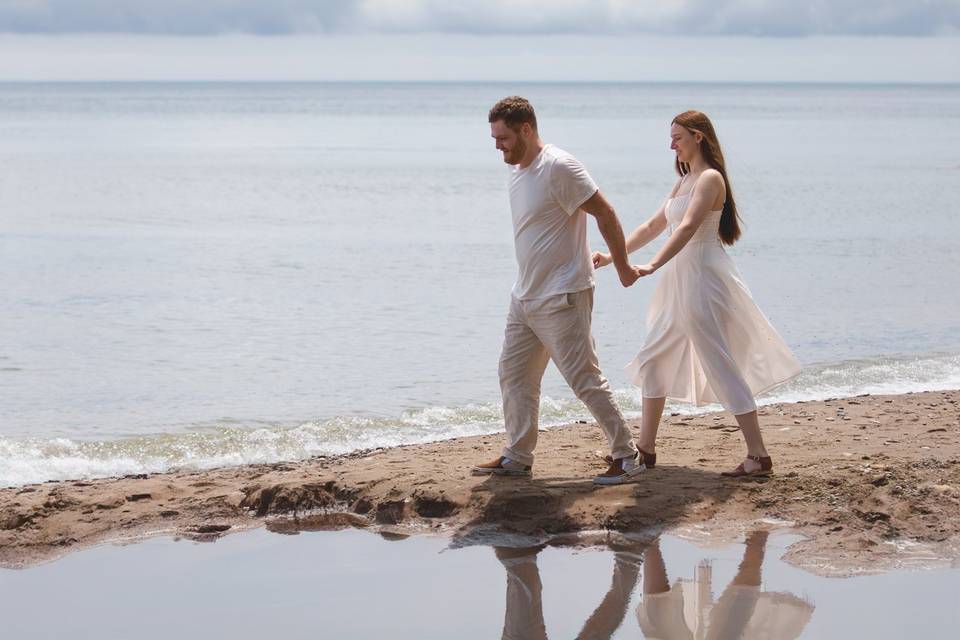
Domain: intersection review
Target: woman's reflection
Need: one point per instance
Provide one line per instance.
(685, 611)
(744, 610)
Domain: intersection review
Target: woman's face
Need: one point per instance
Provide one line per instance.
(684, 143)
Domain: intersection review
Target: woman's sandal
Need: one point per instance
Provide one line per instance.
(649, 459)
(766, 469)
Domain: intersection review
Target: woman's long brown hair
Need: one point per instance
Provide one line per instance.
(696, 121)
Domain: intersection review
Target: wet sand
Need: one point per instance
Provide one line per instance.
(873, 483)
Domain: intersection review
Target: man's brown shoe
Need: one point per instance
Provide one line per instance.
(502, 466)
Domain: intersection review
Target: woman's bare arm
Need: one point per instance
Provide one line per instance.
(708, 188)
(642, 235)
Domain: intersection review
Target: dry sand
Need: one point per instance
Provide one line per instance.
(873, 482)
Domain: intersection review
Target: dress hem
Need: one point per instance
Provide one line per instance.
(701, 403)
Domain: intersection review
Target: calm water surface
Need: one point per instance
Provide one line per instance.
(206, 274)
(358, 585)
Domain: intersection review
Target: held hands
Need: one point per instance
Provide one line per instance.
(633, 273)
(628, 274)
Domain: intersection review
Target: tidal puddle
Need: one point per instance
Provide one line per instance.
(354, 584)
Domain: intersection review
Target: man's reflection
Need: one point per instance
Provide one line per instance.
(611, 611)
(523, 619)
(684, 611)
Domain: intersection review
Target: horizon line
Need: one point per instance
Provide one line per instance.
(865, 83)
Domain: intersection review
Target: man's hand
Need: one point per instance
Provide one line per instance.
(628, 275)
(601, 259)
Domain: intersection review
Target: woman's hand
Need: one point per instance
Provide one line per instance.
(601, 259)
(644, 269)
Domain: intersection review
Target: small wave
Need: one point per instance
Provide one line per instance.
(26, 461)
(876, 376)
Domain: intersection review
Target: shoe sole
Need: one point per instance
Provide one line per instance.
(609, 460)
(500, 472)
(623, 478)
(755, 474)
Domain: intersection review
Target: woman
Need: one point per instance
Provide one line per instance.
(706, 339)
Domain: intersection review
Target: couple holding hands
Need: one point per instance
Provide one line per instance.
(706, 339)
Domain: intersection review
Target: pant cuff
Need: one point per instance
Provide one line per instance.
(522, 458)
(624, 452)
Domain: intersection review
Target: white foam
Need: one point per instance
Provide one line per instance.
(27, 461)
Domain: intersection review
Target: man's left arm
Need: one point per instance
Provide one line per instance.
(609, 225)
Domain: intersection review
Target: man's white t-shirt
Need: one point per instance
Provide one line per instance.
(549, 229)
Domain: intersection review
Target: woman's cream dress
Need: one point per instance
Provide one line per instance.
(707, 341)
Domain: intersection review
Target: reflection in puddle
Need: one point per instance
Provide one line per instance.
(685, 610)
(351, 584)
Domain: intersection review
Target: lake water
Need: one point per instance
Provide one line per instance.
(208, 274)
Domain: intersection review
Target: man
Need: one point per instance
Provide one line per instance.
(552, 300)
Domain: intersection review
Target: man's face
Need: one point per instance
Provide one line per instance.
(510, 142)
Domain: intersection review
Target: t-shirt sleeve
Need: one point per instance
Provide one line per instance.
(571, 184)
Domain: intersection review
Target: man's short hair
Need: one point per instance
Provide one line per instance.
(514, 111)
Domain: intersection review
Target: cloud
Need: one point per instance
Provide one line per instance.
(495, 59)
(177, 17)
(668, 17)
(589, 17)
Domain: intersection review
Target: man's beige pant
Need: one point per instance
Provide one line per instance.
(556, 327)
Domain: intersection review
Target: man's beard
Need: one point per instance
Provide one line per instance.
(516, 154)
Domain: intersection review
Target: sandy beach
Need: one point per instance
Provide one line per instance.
(873, 482)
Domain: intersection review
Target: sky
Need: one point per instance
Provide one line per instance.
(495, 40)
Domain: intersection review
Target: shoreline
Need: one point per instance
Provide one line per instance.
(871, 482)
